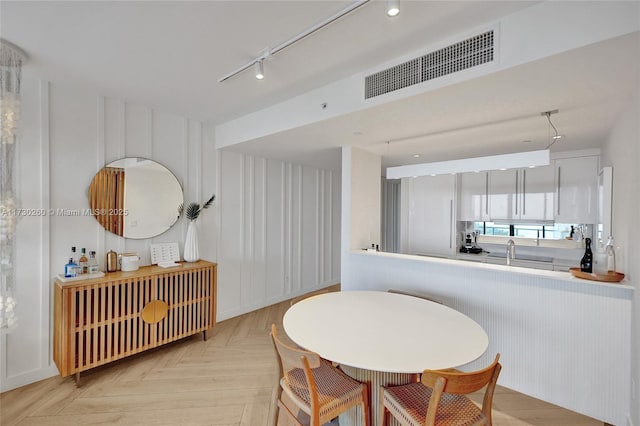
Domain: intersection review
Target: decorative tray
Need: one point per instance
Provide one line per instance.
(64, 279)
(610, 277)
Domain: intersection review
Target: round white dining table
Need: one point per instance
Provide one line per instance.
(383, 338)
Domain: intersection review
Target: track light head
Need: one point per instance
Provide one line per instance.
(259, 69)
(393, 8)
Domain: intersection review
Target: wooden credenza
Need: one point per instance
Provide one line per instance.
(123, 313)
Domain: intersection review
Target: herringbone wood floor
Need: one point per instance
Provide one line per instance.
(230, 379)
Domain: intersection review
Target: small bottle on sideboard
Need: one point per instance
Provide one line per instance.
(93, 263)
(83, 262)
(586, 264)
(70, 269)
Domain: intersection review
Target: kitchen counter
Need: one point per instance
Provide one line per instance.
(521, 266)
(545, 324)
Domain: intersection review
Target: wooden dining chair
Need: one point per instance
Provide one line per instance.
(307, 295)
(438, 399)
(315, 387)
(412, 294)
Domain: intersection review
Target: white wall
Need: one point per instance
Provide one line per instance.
(279, 231)
(279, 223)
(361, 198)
(622, 151)
(69, 133)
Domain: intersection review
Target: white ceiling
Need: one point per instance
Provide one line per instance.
(169, 55)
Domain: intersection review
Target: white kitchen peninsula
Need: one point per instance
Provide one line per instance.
(561, 339)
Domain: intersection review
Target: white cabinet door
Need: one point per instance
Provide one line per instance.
(429, 217)
(537, 193)
(503, 190)
(519, 195)
(576, 199)
(474, 196)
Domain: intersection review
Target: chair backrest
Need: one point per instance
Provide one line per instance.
(291, 357)
(418, 295)
(307, 295)
(291, 361)
(451, 381)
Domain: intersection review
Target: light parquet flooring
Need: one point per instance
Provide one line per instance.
(230, 379)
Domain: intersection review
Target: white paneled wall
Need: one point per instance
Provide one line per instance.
(279, 231)
(68, 134)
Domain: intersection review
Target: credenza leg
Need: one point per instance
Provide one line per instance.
(204, 335)
(77, 379)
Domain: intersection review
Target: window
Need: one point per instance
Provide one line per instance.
(555, 231)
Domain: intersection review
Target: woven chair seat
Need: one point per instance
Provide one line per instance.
(409, 403)
(337, 392)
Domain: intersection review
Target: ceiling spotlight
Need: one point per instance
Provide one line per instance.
(416, 155)
(557, 137)
(259, 70)
(393, 7)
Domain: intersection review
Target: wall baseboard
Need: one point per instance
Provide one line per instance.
(225, 315)
(13, 382)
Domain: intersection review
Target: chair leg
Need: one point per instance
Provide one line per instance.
(366, 405)
(382, 411)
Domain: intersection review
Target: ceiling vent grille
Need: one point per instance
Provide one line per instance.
(466, 54)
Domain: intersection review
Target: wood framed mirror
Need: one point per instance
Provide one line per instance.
(135, 198)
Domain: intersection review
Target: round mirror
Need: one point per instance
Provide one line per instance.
(135, 198)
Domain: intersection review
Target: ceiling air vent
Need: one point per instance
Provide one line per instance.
(457, 57)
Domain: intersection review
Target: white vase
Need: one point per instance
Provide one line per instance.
(191, 244)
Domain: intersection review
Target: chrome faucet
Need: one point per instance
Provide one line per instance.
(511, 251)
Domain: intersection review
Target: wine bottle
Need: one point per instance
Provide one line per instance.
(586, 264)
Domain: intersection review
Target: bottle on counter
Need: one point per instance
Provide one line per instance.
(610, 251)
(93, 263)
(70, 269)
(586, 264)
(83, 262)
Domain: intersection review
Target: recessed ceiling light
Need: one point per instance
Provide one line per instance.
(532, 167)
(358, 133)
(557, 136)
(526, 141)
(416, 155)
(503, 169)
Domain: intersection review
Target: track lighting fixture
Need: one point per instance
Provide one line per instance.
(276, 49)
(393, 7)
(259, 69)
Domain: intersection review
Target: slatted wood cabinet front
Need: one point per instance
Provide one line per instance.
(101, 320)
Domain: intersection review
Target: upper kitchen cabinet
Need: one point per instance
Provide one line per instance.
(427, 224)
(576, 182)
(537, 194)
(473, 204)
(525, 194)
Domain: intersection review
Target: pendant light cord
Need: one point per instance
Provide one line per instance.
(555, 138)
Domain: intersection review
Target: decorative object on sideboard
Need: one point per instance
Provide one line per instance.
(192, 212)
(11, 59)
(129, 262)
